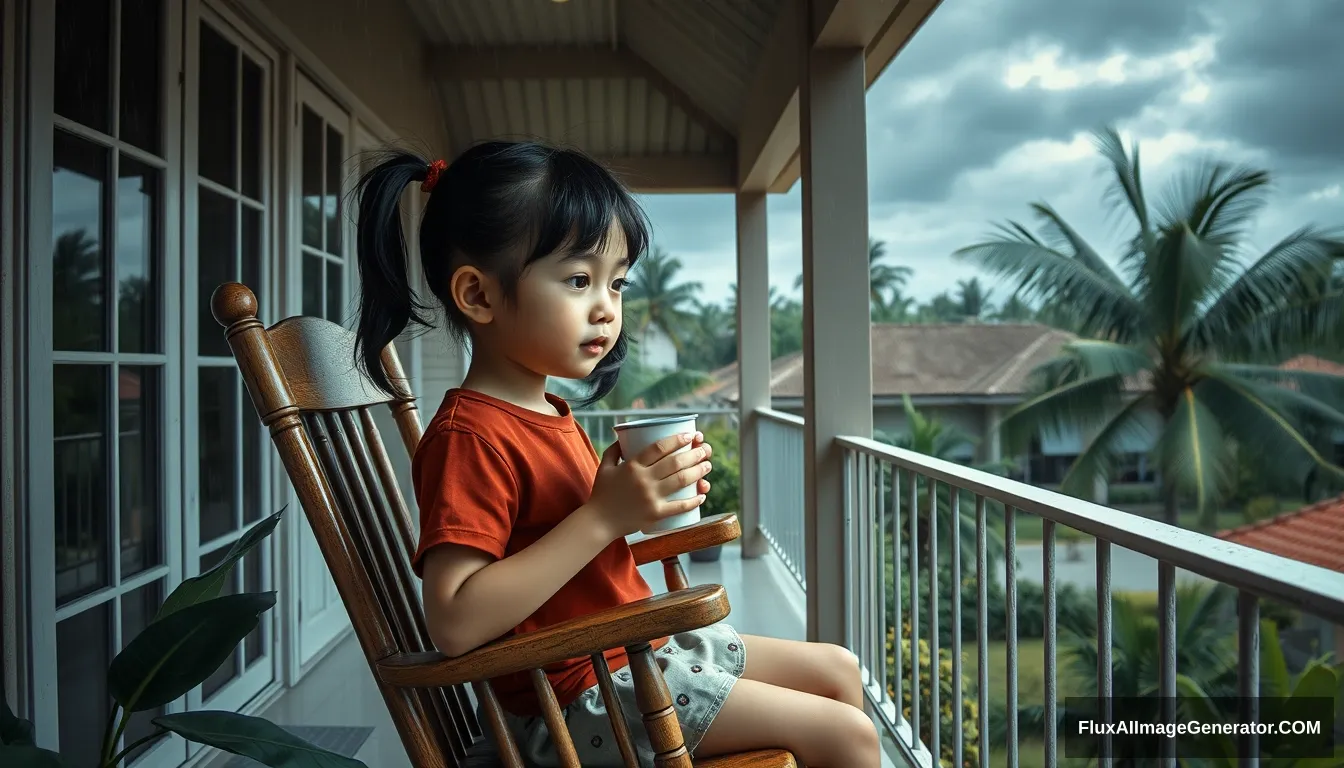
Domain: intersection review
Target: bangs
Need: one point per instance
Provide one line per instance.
(584, 198)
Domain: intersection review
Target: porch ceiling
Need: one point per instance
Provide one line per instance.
(680, 95)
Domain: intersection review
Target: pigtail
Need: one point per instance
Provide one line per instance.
(387, 304)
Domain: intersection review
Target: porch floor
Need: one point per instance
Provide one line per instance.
(340, 691)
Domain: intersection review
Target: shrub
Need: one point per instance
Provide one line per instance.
(970, 723)
(1260, 508)
(725, 480)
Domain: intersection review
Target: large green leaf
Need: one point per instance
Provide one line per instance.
(28, 756)
(207, 586)
(1274, 677)
(172, 656)
(253, 737)
(14, 730)
(1194, 452)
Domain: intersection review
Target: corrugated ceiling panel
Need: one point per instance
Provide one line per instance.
(524, 22)
(606, 117)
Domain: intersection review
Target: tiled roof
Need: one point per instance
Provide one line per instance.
(1312, 364)
(1311, 534)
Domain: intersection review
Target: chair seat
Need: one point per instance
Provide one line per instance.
(484, 755)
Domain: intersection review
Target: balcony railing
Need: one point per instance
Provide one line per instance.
(780, 450)
(892, 547)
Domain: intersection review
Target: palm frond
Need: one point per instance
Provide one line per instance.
(1217, 200)
(1193, 451)
(671, 386)
(1127, 187)
(1106, 358)
(1314, 326)
(1061, 234)
(1046, 275)
(1181, 272)
(1292, 271)
(1326, 388)
(1271, 420)
(1099, 457)
(1083, 404)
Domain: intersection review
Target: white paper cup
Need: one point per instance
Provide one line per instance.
(635, 436)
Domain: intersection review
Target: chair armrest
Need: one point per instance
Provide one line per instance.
(631, 624)
(709, 532)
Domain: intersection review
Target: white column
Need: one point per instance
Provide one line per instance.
(753, 357)
(838, 397)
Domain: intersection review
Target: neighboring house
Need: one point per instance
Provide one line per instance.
(1311, 535)
(965, 375)
(656, 350)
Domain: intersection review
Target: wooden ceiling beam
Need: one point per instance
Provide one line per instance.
(677, 174)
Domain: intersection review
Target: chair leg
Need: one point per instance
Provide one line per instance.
(655, 704)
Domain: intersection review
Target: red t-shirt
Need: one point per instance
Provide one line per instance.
(497, 477)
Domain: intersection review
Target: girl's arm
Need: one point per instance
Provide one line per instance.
(471, 598)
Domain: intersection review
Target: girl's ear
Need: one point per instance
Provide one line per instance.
(475, 293)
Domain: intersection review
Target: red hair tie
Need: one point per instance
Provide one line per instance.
(432, 175)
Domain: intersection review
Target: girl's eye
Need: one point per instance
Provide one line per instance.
(622, 284)
(582, 281)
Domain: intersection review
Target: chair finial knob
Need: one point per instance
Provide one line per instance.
(232, 303)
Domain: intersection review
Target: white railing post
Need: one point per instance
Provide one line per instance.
(837, 368)
(753, 357)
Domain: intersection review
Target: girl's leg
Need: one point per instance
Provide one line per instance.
(822, 732)
(817, 668)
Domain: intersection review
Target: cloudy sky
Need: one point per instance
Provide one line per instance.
(991, 107)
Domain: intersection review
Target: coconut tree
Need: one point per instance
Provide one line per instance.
(1188, 325)
(883, 279)
(657, 298)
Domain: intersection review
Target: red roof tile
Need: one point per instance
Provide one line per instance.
(1310, 535)
(1313, 364)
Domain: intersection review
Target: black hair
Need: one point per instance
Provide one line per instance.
(500, 206)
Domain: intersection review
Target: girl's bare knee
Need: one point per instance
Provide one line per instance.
(843, 673)
(857, 738)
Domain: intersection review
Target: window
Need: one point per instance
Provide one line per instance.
(109, 363)
(229, 210)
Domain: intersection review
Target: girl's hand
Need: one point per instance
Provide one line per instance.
(630, 495)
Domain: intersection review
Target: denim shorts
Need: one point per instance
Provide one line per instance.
(700, 668)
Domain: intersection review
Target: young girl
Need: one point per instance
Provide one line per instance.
(527, 249)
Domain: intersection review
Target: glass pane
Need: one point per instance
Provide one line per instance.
(252, 248)
(137, 610)
(141, 83)
(312, 285)
(216, 254)
(137, 257)
(312, 179)
(83, 653)
(80, 458)
(335, 301)
(229, 669)
(83, 80)
(79, 273)
(139, 412)
(218, 119)
(254, 443)
(252, 131)
(219, 452)
(252, 582)
(331, 205)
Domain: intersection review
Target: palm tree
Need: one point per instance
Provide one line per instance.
(883, 279)
(1015, 310)
(973, 298)
(655, 298)
(1183, 320)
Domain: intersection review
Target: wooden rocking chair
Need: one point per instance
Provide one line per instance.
(317, 405)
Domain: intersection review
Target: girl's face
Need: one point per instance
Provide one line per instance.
(568, 310)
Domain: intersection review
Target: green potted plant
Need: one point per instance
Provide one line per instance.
(194, 632)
